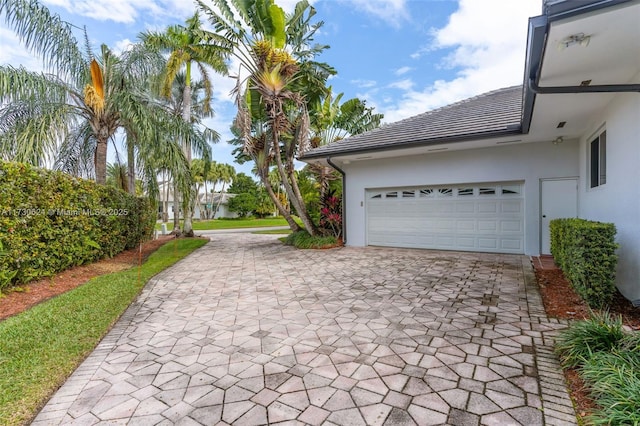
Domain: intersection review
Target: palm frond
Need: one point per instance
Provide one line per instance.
(75, 153)
(46, 35)
(30, 131)
(19, 84)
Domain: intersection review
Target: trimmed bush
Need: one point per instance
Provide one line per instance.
(50, 221)
(586, 253)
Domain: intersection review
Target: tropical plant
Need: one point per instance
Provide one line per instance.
(71, 115)
(332, 122)
(614, 380)
(331, 214)
(582, 339)
(117, 176)
(276, 52)
(303, 240)
(186, 47)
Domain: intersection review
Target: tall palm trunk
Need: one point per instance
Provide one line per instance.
(100, 161)
(176, 208)
(325, 173)
(131, 165)
(206, 200)
(294, 196)
(293, 225)
(165, 204)
(186, 116)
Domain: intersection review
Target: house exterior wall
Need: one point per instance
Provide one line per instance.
(224, 212)
(617, 201)
(524, 162)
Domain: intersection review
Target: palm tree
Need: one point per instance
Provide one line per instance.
(117, 176)
(277, 54)
(71, 115)
(186, 47)
(199, 138)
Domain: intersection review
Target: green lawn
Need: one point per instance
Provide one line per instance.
(205, 225)
(41, 347)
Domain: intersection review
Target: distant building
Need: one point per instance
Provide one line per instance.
(213, 206)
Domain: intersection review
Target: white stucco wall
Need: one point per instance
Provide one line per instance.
(617, 201)
(524, 162)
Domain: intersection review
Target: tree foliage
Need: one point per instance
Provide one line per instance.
(70, 115)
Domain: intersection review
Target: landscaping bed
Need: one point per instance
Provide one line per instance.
(25, 296)
(561, 301)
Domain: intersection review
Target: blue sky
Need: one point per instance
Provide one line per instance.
(403, 57)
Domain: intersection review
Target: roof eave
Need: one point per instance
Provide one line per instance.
(511, 131)
(537, 43)
(567, 8)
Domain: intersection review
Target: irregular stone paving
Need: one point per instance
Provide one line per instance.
(247, 331)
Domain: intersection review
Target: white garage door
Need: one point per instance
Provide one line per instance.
(478, 217)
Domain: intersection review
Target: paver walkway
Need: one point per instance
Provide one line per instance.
(247, 331)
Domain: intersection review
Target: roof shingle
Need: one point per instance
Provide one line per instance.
(489, 114)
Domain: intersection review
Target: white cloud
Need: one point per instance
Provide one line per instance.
(394, 12)
(487, 40)
(402, 70)
(122, 46)
(125, 11)
(405, 84)
(290, 5)
(13, 52)
(363, 83)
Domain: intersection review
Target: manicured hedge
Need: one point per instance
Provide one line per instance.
(586, 253)
(50, 221)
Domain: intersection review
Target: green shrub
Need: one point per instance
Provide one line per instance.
(600, 333)
(585, 251)
(614, 380)
(50, 221)
(303, 240)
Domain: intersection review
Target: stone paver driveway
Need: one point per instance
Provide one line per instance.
(246, 331)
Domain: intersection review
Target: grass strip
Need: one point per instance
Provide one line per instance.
(206, 225)
(42, 346)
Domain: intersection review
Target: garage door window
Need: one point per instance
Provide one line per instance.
(511, 190)
(487, 191)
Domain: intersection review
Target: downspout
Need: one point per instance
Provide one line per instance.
(344, 199)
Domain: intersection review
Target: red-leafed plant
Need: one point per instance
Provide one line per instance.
(331, 214)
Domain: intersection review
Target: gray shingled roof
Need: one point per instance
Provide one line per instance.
(494, 113)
